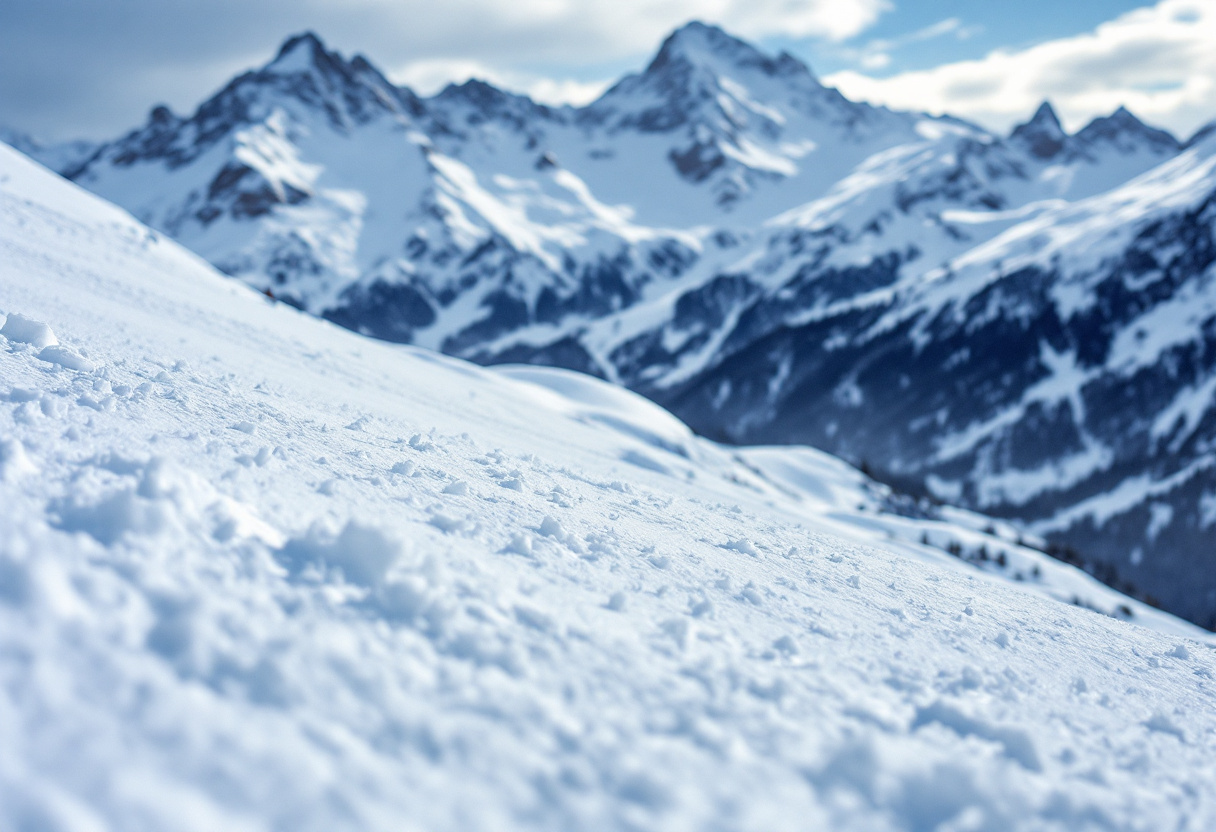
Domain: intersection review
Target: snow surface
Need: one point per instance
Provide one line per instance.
(260, 573)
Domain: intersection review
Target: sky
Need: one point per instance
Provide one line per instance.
(87, 69)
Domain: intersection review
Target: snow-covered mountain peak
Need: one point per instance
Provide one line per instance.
(704, 76)
(303, 84)
(302, 53)
(1120, 134)
(347, 91)
(1107, 152)
(704, 45)
(1043, 136)
(475, 102)
(478, 93)
(748, 129)
(1126, 134)
(307, 55)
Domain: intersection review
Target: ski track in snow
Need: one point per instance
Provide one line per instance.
(257, 572)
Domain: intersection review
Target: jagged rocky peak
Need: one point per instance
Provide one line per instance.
(1043, 136)
(702, 44)
(686, 82)
(475, 91)
(1123, 131)
(476, 101)
(305, 79)
(303, 53)
(161, 114)
(303, 60)
(306, 53)
(305, 72)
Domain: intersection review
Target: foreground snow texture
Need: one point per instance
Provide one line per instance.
(257, 572)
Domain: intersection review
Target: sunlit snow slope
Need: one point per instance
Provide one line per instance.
(257, 572)
(745, 246)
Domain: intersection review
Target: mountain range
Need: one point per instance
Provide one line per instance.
(261, 573)
(1018, 324)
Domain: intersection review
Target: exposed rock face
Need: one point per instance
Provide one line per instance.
(1042, 137)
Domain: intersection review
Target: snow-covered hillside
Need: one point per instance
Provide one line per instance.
(1059, 372)
(258, 572)
(710, 232)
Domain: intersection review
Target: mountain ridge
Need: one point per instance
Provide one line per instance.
(258, 572)
(720, 209)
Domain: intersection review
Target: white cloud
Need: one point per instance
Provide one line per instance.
(586, 32)
(430, 76)
(876, 54)
(631, 22)
(1159, 61)
(565, 91)
(875, 60)
(589, 31)
(90, 68)
(832, 19)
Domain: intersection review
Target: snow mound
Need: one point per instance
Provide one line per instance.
(363, 554)
(22, 330)
(592, 400)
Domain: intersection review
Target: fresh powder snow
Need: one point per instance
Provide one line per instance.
(258, 572)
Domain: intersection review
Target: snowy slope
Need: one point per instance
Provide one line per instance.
(935, 316)
(257, 572)
(725, 235)
(1059, 372)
